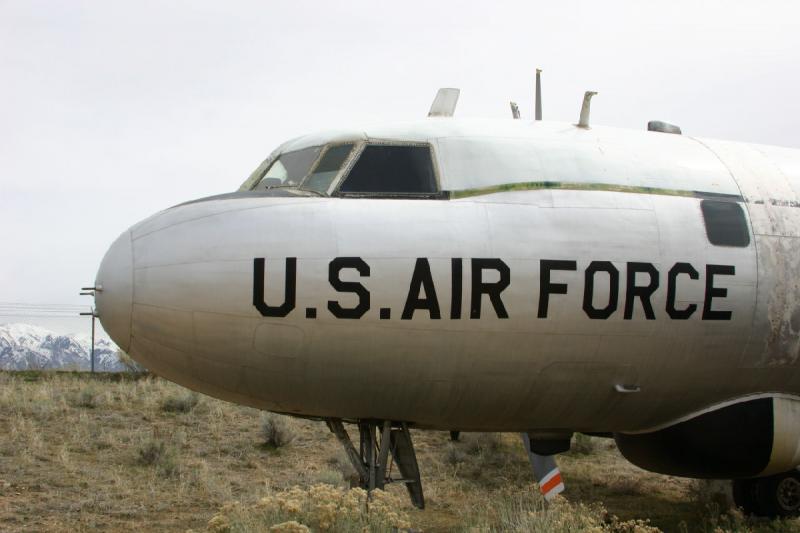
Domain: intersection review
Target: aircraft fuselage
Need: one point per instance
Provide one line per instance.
(596, 304)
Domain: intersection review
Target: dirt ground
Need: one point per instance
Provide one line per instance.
(110, 453)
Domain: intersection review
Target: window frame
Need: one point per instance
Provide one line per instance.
(345, 165)
(355, 155)
(255, 176)
(742, 211)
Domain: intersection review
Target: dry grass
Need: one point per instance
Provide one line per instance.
(81, 453)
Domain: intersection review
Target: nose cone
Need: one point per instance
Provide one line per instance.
(114, 301)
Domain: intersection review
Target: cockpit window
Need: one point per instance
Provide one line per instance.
(328, 167)
(289, 169)
(391, 170)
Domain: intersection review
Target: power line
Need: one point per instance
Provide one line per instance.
(43, 307)
(67, 308)
(16, 315)
(41, 310)
(47, 309)
(37, 305)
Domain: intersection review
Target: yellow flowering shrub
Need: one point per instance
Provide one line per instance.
(289, 527)
(318, 508)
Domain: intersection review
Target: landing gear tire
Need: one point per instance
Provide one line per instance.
(779, 495)
(775, 496)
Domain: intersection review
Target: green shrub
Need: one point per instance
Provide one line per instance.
(455, 454)
(481, 443)
(156, 452)
(582, 444)
(87, 398)
(344, 467)
(525, 510)
(330, 477)
(277, 430)
(180, 404)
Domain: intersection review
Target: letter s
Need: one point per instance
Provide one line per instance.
(334, 268)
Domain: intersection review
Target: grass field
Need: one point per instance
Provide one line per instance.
(109, 452)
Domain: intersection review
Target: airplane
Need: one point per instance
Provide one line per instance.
(506, 275)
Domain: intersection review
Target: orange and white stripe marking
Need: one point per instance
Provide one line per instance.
(551, 484)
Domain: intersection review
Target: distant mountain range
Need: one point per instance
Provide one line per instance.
(27, 347)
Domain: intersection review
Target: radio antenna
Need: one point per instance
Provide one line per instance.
(538, 114)
(585, 109)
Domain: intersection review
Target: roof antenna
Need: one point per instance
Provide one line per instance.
(585, 108)
(514, 110)
(538, 115)
(444, 105)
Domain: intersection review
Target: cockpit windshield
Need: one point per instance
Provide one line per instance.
(377, 171)
(305, 169)
(327, 169)
(289, 169)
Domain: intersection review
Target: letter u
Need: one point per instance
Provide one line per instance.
(290, 283)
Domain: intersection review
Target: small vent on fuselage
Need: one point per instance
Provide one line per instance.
(663, 127)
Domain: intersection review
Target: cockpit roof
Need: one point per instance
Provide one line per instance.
(479, 154)
(423, 131)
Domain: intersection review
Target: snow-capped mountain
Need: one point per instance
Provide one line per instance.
(27, 347)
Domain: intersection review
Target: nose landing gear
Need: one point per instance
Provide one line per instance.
(775, 496)
(372, 461)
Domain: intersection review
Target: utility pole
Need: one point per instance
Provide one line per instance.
(93, 315)
(89, 291)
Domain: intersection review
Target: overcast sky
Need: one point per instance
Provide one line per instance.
(110, 111)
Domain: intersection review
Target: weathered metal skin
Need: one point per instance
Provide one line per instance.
(193, 318)
(768, 179)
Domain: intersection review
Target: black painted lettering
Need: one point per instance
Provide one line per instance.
(643, 292)
(493, 290)
(456, 272)
(613, 290)
(672, 291)
(421, 280)
(334, 269)
(716, 292)
(290, 283)
(545, 287)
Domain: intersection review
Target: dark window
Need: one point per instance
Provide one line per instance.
(725, 223)
(388, 170)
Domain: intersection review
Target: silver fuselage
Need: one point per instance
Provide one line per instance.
(178, 293)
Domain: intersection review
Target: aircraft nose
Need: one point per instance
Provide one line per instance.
(114, 300)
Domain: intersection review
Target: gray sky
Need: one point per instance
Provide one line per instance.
(110, 111)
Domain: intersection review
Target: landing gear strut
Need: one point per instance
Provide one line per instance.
(773, 496)
(372, 459)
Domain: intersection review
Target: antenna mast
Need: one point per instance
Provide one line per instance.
(585, 109)
(538, 114)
